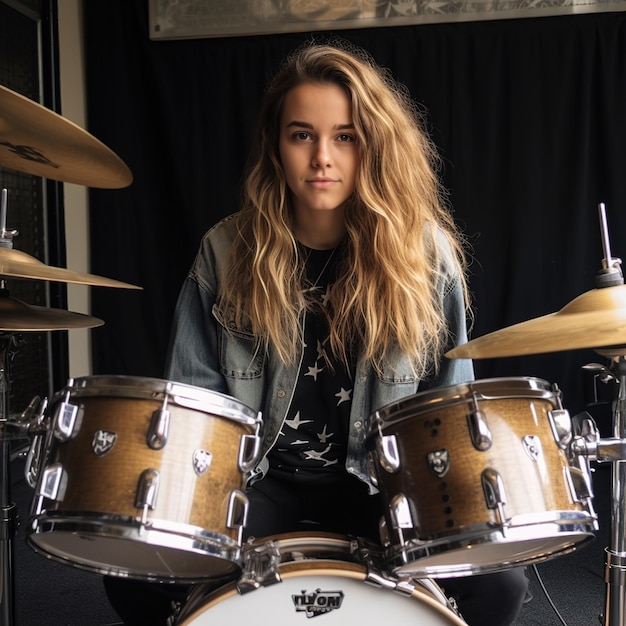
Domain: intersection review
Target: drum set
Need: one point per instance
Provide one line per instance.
(145, 478)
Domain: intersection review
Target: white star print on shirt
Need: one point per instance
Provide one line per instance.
(343, 395)
(323, 436)
(317, 456)
(314, 371)
(312, 455)
(296, 421)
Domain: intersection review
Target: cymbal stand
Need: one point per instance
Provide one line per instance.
(8, 510)
(611, 450)
(8, 513)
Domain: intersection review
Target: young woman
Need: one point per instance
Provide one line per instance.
(333, 291)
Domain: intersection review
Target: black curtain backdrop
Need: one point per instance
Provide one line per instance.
(528, 114)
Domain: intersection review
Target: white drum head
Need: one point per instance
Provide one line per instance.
(335, 591)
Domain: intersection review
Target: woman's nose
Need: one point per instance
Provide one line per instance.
(321, 155)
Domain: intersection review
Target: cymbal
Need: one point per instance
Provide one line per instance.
(596, 319)
(18, 316)
(36, 140)
(18, 264)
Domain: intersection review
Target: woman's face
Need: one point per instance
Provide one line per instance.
(318, 148)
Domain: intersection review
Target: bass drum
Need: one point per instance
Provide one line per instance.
(289, 578)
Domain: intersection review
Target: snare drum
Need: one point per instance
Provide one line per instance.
(289, 578)
(476, 478)
(142, 478)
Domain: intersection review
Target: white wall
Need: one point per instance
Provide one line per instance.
(76, 198)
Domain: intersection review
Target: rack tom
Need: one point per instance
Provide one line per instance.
(477, 478)
(143, 478)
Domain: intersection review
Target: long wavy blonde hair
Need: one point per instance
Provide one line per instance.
(385, 294)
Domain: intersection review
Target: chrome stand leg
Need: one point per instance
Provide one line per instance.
(7, 532)
(615, 578)
(615, 571)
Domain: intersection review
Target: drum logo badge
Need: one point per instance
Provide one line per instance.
(201, 461)
(532, 446)
(103, 442)
(439, 462)
(318, 602)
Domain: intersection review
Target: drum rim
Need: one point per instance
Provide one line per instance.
(182, 538)
(144, 387)
(521, 387)
(400, 565)
(294, 569)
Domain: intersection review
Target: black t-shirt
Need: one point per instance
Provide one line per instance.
(315, 432)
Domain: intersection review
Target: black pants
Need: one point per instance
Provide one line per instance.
(285, 502)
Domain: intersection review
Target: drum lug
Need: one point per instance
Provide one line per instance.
(388, 455)
(158, 430)
(383, 531)
(237, 513)
(65, 419)
(493, 488)
(401, 512)
(561, 425)
(249, 448)
(481, 436)
(34, 459)
(579, 485)
(147, 491)
(53, 482)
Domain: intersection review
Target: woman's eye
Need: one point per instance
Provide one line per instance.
(345, 138)
(301, 135)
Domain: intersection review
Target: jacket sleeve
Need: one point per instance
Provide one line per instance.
(193, 355)
(454, 371)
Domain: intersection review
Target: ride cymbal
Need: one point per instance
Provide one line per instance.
(21, 265)
(595, 319)
(18, 316)
(36, 140)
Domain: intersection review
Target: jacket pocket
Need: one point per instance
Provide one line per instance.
(241, 354)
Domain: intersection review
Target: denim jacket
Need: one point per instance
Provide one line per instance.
(207, 351)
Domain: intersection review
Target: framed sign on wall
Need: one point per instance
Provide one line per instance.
(180, 19)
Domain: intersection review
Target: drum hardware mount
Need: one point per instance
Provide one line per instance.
(261, 567)
(590, 446)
